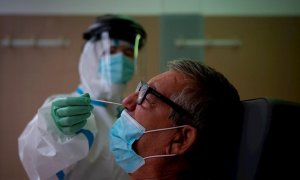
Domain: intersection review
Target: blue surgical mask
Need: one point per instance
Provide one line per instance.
(124, 132)
(119, 69)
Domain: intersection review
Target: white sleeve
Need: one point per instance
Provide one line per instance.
(44, 150)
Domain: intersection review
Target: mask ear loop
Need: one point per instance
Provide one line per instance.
(136, 51)
(162, 129)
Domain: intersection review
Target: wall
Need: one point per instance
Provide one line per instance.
(153, 7)
(266, 64)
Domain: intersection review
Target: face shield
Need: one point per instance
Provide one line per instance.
(118, 61)
(110, 56)
(107, 64)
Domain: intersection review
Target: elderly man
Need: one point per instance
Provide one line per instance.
(182, 124)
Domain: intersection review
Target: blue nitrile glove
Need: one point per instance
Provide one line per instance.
(70, 113)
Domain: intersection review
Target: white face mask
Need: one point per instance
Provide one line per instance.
(124, 132)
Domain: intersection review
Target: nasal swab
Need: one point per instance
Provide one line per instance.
(107, 102)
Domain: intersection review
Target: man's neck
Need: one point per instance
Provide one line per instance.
(163, 169)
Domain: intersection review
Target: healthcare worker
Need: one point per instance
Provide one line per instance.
(52, 146)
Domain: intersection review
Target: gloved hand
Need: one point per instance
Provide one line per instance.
(70, 113)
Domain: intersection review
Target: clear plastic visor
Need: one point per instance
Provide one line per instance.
(118, 59)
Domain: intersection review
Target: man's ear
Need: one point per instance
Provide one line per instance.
(183, 140)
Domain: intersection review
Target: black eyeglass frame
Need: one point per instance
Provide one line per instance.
(149, 89)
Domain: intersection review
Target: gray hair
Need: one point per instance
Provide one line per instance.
(214, 107)
(208, 93)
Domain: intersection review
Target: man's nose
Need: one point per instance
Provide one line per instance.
(130, 101)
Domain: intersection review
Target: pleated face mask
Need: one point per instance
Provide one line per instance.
(119, 69)
(124, 132)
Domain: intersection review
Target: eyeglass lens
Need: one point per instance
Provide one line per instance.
(142, 90)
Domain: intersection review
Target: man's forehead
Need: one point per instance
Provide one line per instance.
(168, 80)
(168, 76)
(160, 77)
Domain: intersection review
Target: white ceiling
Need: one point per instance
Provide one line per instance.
(152, 7)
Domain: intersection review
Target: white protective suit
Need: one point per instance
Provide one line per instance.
(46, 153)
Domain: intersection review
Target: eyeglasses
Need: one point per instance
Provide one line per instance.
(143, 89)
